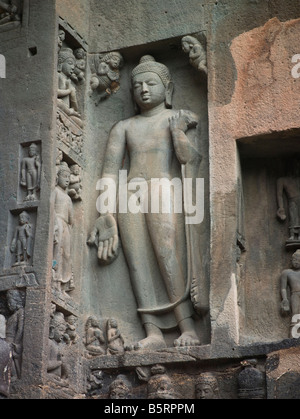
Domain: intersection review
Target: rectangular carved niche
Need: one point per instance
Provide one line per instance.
(263, 162)
(20, 238)
(29, 173)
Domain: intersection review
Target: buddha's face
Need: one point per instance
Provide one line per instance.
(32, 151)
(296, 262)
(68, 66)
(149, 90)
(63, 179)
(204, 391)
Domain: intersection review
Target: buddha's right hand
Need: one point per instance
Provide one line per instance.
(105, 237)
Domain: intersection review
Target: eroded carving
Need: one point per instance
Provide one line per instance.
(75, 187)
(115, 341)
(94, 337)
(196, 51)
(160, 385)
(15, 328)
(160, 284)
(71, 337)
(106, 78)
(31, 173)
(290, 187)
(22, 242)
(10, 14)
(290, 280)
(251, 381)
(56, 366)
(120, 388)
(67, 96)
(206, 386)
(69, 133)
(63, 207)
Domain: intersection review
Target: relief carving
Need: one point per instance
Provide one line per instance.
(63, 222)
(251, 381)
(289, 186)
(120, 388)
(15, 328)
(115, 341)
(22, 242)
(31, 173)
(290, 281)
(196, 51)
(206, 386)
(75, 187)
(67, 95)
(94, 337)
(160, 385)
(57, 367)
(161, 286)
(10, 14)
(106, 77)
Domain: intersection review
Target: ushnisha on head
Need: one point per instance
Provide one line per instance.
(148, 64)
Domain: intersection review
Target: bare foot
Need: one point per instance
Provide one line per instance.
(151, 342)
(187, 339)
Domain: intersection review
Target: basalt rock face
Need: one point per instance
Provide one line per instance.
(150, 208)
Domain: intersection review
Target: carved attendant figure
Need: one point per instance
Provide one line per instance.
(22, 242)
(154, 243)
(63, 223)
(94, 337)
(15, 329)
(290, 278)
(67, 97)
(56, 366)
(290, 186)
(115, 341)
(31, 173)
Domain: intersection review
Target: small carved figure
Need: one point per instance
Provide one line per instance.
(8, 12)
(290, 186)
(115, 341)
(251, 381)
(67, 96)
(95, 339)
(207, 386)
(95, 382)
(31, 173)
(61, 38)
(58, 160)
(22, 242)
(5, 368)
(15, 328)
(160, 385)
(197, 53)
(75, 182)
(120, 388)
(105, 237)
(71, 334)
(62, 231)
(79, 72)
(56, 367)
(107, 77)
(290, 278)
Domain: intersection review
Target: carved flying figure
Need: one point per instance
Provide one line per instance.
(197, 53)
(106, 80)
(9, 12)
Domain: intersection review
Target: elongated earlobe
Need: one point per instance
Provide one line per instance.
(169, 95)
